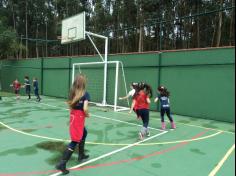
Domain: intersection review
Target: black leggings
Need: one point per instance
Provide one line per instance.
(28, 91)
(144, 114)
(36, 93)
(167, 112)
(73, 144)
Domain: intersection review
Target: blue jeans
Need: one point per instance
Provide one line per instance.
(36, 93)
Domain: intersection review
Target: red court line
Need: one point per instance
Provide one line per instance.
(173, 148)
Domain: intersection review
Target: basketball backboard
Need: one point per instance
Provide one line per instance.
(73, 29)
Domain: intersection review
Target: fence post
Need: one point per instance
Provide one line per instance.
(159, 74)
(42, 70)
(70, 78)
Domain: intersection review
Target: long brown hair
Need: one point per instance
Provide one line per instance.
(78, 90)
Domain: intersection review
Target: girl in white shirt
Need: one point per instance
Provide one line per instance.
(131, 93)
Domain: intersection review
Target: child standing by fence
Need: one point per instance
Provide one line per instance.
(27, 87)
(16, 86)
(36, 89)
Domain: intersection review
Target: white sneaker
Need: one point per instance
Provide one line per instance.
(148, 134)
(140, 136)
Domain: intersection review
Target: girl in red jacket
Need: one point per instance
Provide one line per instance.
(141, 104)
(16, 86)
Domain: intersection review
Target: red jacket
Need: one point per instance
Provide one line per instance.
(16, 85)
(141, 101)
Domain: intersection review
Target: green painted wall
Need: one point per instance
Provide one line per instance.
(202, 82)
(19, 69)
(56, 77)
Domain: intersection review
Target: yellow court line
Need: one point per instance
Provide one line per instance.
(197, 126)
(221, 163)
(32, 135)
(161, 143)
(110, 144)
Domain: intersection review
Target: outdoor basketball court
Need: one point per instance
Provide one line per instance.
(34, 135)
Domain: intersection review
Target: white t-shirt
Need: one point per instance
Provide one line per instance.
(131, 93)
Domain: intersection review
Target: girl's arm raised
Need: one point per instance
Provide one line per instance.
(156, 100)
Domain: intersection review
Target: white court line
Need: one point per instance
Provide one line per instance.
(101, 117)
(116, 151)
(221, 163)
(112, 153)
(196, 126)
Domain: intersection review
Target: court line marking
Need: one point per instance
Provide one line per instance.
(221, 163)
(102, 117)
(33, 135)
(111, 144)
(213, 172)
(105, 144)
(161, 152)
(197, 126)
(163, 143)
(113, 152)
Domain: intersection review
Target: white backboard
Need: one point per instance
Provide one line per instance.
(73, 29)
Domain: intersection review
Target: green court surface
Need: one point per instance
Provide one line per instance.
(33, 136)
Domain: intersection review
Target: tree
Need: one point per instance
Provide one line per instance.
(8, 43)
(131, 25)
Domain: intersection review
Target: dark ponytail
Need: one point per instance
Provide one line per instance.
(166, 93)
(163, 90)
(148, 90)
(134, 85)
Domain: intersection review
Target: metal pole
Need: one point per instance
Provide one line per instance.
(105, 72)
(116, 86)
(104, 60)
(42, 77)
(95, 47)
(96, 35)
(73, 74)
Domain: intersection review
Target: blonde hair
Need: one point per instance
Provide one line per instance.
(78, 90)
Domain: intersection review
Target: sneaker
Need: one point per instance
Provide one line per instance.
(173, 126)
(140, 136)
(163, 126)
(148, 134)
(83, 157)
(38, 100)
